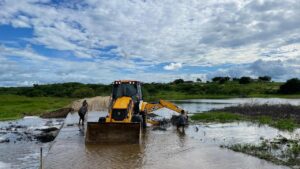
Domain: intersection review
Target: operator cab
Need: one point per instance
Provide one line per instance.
(126, 88)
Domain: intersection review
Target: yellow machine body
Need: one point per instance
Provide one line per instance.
(126, 115)
(120, 105)
(113, 133)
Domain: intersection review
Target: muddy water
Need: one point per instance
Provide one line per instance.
(197, 147)
(159, 149)
(23, 151)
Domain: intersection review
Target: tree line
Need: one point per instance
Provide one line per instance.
(217, 86)
(224, 79)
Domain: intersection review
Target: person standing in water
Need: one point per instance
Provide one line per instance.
(182, 120)
(82, 111)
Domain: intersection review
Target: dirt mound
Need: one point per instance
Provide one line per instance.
(98, 103)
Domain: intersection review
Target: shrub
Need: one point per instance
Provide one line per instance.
(245, 80)
(264, 78)
(291, 86)
(83, 92)
(35, 93)
(178, 81)
(221, 80)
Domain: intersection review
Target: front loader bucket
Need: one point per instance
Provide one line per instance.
(111, 133)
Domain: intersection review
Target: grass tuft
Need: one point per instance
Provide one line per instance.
(217, 117)
(280, 150)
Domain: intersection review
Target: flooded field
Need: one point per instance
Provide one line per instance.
(198, 147)
(19, 148)
(200, 105)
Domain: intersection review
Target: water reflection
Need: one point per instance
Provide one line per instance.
(182, 137)
(114, 156)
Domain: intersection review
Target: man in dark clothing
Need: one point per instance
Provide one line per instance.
(182, 120)
(82, 111)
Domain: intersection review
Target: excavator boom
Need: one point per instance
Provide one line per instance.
(150, 107)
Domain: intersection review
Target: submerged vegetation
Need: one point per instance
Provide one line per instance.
(225, 117)
(222, 117)
(283, 117)
(14, 107)
(279, 150)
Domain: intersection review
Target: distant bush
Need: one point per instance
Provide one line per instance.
(216, 79)
(264, 78)
(235, 79)
(245, 80)
(291, 86)
(35, 93)
(178, 81)
(189, 81)
(221, 80)
(83, 92)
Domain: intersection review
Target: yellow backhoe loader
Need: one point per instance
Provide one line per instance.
(127, 115)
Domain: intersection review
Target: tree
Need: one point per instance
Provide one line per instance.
(221, 80)
(245, 80)
(291, 86)
(178, 81)
(224, 79)
(35, 93)
(199, 80)
(235, 79)
(216, 79)
(265, 78)
(83, 92)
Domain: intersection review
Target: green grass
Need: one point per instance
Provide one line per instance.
(225, 117)
(14, 107)
(285, 124)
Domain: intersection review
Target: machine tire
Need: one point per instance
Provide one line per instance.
(102, 120)
(137, 119)
(144, 116)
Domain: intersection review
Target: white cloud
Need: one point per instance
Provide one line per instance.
(279, 70)
(155, 29)
(27, 53)
(174, 32)
(173, 66)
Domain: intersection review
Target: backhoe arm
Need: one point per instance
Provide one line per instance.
(150, 107)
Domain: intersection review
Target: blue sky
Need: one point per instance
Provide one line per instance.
(97, 41)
